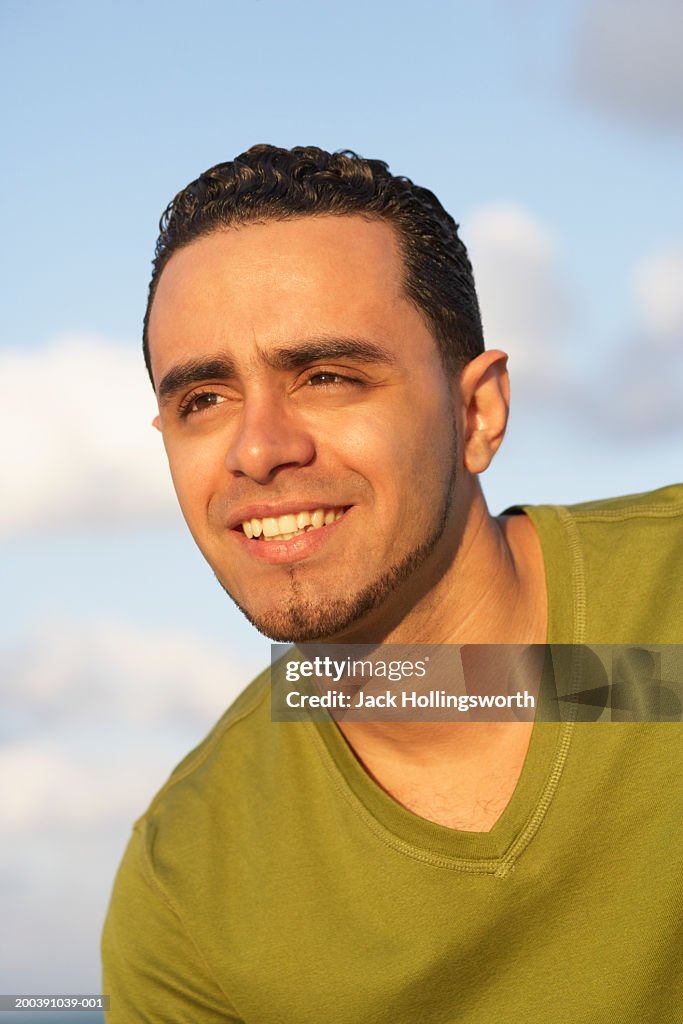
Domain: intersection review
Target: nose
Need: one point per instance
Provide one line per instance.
(268, 438)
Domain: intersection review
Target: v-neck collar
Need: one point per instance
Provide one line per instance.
(496, 851)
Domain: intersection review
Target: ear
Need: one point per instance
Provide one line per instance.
(156, 422)
(485, 399)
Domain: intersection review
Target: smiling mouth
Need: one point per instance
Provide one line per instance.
(292, 524)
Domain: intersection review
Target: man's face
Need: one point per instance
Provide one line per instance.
(295, 378)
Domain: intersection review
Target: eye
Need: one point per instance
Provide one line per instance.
(199, 402)
(325, 378)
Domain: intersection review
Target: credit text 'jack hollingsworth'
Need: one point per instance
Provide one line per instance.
(409, 699)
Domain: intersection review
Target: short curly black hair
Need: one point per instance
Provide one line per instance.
(270, 183)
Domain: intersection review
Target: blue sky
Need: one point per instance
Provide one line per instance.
(552, 132)
(113, 108)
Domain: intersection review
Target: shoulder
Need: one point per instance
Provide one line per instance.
(614, 567)
(248, 766)
(663, 503)
(214, 781)
(209, 792)
(643, 520)
(245, 717)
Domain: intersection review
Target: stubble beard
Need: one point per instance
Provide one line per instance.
(301, 620)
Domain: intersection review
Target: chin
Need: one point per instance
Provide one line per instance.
(302, 622)
(298, 618)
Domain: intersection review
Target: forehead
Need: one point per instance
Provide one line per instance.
(272, 283)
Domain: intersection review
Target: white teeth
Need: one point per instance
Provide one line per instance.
(291, 524)
(270, 528)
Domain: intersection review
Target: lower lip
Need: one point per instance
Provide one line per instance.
(278, 552)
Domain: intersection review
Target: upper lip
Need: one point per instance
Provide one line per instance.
(281, 508)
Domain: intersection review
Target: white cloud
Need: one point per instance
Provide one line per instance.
(659, 288)
(639, 394)
(528, 309)
(638, 388)
(95, 716)
(46, 786)
(80, 450)
(108, 674)
(55, 890)
(526, 305)
(627, 59)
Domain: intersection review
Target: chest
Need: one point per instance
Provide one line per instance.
(469, 791)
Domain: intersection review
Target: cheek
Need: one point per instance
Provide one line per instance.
(406, 455)
(193, 471)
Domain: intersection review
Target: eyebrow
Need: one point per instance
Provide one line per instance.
(194, 372)
(289, 357)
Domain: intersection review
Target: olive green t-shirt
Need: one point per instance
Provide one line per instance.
(273, 882)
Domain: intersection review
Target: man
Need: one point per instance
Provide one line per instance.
(327, 406)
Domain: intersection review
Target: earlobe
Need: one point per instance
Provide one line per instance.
(156, 422)
(485, 394)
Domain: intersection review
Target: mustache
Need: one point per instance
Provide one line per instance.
(319, 490)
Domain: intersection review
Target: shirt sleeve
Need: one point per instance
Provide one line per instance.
(152, 969)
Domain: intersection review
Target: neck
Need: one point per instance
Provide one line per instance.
(486, 585)
(492, 592)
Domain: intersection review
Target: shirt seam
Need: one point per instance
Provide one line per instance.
(578, 588)
(643, 511)
(389, 838)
